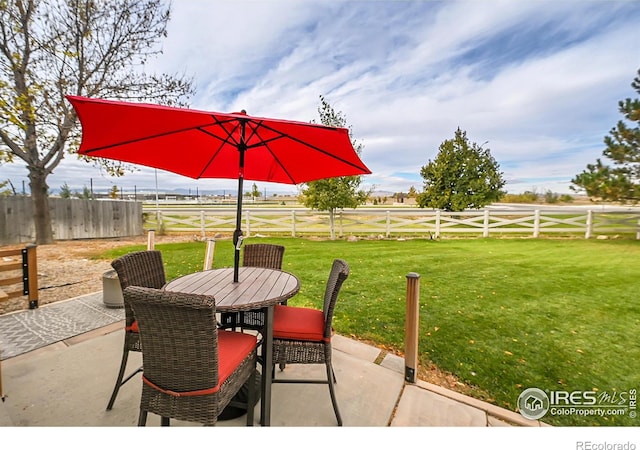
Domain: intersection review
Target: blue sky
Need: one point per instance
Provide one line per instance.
(539, 80)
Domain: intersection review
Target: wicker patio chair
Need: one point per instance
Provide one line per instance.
(192, 370)
(143, 268)
(303, 335)
(254, 255)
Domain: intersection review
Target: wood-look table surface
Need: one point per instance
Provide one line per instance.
(257, 289)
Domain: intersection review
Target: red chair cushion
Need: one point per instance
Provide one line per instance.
(133, 327)
(303, 324)
(233, 347)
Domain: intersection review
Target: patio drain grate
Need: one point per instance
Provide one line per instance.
(28, 330)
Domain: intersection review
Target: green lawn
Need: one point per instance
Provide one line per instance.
(500, 314)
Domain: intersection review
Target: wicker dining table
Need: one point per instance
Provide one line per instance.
(257, 288)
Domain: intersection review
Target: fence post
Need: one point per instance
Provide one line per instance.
(202, 230)
(536, 223)
(485, 224)
(151, 240)
(388, 227)
(587, 234)
(437, 224)
(411, 327)
(248, 223)
(208, 256)
(293, 223)
(30, 274)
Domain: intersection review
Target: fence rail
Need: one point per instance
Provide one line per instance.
(396, 222)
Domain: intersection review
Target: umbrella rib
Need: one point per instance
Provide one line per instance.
(265, 143)
(146, 138)
(293, 181)
(229, 139)
(313, 147)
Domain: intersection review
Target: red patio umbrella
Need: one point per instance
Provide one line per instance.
(203, 144)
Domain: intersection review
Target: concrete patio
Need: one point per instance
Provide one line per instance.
(59, 364)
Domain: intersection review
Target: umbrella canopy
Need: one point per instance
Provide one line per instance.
(203, 144)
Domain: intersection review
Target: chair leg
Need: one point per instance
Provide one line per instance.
(251, 400)
(123, 367)
(164, 422)
(120, 382)
(142, 418)
(331, 379)
(240, 316)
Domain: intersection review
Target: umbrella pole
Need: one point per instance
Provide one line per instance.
(237, 234)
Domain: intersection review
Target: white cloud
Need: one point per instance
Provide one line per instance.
(540, 81)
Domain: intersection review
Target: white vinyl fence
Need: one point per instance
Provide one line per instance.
(396, 222)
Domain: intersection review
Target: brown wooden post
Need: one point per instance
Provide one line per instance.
(151, 240)
(30, 274)
(411, 327)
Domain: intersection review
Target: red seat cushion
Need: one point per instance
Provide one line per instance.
(233, 347)
(133, 327)
(303, 324)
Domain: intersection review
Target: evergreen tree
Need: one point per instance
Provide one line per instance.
(65, 191)
(86, 194)
(620, 181)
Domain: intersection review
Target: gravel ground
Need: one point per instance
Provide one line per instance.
(66, 268)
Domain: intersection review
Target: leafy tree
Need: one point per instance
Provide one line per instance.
(621, 181)
(331, 194)
(254, 192)
(114, 192)
(79, 47)
(4, 190)
(463, 175)
(65, 191)
(566, 198)
(551, 197)
(531, 196)
(412, 192)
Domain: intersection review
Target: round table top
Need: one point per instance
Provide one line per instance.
(257, 287)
